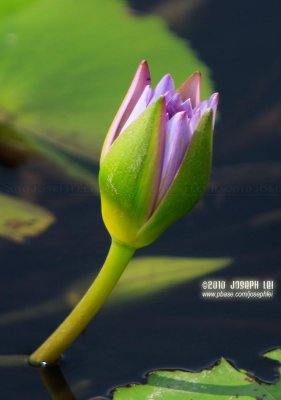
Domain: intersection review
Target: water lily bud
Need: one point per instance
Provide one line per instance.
(156, 159)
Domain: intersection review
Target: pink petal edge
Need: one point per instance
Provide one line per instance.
(191, 89)
(140, 81)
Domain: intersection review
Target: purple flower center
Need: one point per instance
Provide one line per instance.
(183, 113)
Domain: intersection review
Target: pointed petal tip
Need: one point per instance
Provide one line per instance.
(164, 87)
(144, 64)
(168, 79)
(196, 74)
(196, 77)
(179, 116)
(144, 71)
(183, 113)
(138, 85)
(216, 97)
(213, 103)
(191, 88)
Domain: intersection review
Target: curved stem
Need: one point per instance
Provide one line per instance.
(50, 351)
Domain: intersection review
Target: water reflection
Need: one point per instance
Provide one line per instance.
(57, 386)
(55, 383)
(52, 378)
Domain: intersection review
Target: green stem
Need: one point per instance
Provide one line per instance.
(50, 351)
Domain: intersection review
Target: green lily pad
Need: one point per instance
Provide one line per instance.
(65, 66)
(143, 278)
(147, 276)
(222, 382)
(20, 219)
(274, 355)
(13, 6)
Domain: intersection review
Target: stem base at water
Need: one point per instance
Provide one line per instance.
(50, 351)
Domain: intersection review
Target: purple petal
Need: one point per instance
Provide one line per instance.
(195, 120)
(139, 107)
(174, 104)
(178, 138)
(140, 81)
(165, 87)
(191, 89)
(213, 103)
(202, 107)
(187, 106)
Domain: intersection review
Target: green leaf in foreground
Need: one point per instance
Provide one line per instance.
(20, 219)
(144, 277)
(221, 382)
(65, 66)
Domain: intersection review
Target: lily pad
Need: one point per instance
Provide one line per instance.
(147, 276)
(20, 219)
(65, 66)
(274, 355)
(222, 382)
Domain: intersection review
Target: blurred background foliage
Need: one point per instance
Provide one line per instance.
(238, 218)
(65, 67)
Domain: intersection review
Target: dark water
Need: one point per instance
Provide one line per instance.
(239, 217)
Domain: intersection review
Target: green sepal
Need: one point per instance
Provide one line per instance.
(129, 174)
(188, 187)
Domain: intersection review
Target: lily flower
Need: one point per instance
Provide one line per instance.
(156, 158)
(154, 168)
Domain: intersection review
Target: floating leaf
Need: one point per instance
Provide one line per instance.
(20, 219)
(15, 360)
(34, 311)
(274, 355)
(221, 382)
(150, 275)
(147, 276)
(64, 70)
(144, 277)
